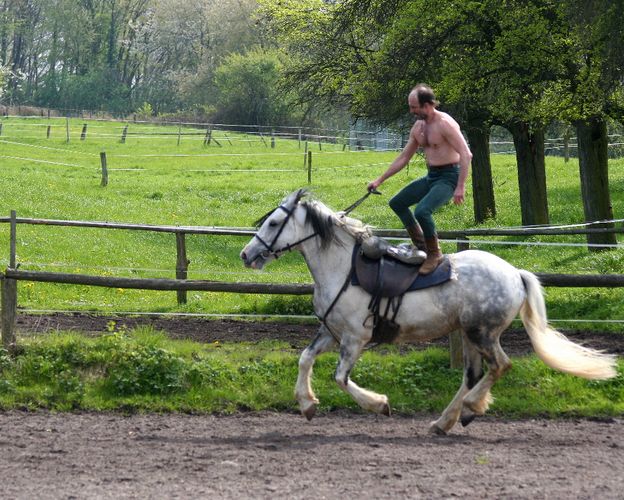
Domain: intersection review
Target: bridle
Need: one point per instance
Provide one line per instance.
(289, 213)
(288, 247)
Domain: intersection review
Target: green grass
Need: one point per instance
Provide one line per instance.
(232, 185)
(143, 370)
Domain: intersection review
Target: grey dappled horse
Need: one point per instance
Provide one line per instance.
(482, 299)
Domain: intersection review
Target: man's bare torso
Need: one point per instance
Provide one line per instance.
(431, 137)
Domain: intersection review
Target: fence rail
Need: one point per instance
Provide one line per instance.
(181, 285)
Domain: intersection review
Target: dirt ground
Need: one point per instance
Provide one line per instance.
(281, 455)
(338, 455)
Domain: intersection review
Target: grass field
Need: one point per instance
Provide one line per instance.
(154, 179)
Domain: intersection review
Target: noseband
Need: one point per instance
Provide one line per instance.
(286, 248)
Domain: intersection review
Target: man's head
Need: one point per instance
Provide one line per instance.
(421, 101)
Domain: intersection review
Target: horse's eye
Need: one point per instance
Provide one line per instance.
(272, 223)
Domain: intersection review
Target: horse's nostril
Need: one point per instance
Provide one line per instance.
(243, 256)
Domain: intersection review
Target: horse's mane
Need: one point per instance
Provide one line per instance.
(325, 222)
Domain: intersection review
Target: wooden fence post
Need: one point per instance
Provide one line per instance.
(104, 169)
(299, 146)
(123, 134)
(179, 133)
(0, 128)
(67, 128)
(9, 312)
(83, 134)
(305, 155)
(48, 131)
(456, 347)
(181, 264)
(309, 167)
(208, 136)
(9, 295)
(463, 244)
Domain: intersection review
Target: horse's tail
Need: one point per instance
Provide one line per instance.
(552, 347)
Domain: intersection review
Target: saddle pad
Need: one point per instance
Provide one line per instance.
(397, 278)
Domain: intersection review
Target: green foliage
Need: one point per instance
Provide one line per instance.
(143, 370)
(247, 89)
(138, 369)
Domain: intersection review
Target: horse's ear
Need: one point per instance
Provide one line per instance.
(301, 193)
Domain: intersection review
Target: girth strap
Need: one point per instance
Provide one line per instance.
(323, 318)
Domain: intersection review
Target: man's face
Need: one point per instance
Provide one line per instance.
(420, 112)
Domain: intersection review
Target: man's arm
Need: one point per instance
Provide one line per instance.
(453, 135)
(399, 162)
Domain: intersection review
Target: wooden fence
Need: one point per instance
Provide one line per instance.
(181, 284)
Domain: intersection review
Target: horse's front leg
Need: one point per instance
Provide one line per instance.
(303, 390)
(350, 350)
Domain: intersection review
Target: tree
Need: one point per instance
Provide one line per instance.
(589, 93)
(247, 91)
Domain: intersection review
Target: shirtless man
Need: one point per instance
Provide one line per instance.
(448, 163)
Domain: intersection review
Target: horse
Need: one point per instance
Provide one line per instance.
(483, 297)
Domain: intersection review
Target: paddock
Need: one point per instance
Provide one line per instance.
(281, 455)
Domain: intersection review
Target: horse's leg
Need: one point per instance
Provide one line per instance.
(350, 350)
(487, 343)
(473, 372)
(303, 390)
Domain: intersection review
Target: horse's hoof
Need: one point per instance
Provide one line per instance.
(434, 429)
(309, 412)
(386, 410)
(467, 419)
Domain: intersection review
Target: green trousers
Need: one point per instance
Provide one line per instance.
(428, 193)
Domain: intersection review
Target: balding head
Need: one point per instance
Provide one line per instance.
(424, 94)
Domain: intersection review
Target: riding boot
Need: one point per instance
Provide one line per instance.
(416, 234)
(434, 255)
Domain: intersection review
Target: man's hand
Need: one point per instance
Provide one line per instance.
(373, 185)
(458, 195)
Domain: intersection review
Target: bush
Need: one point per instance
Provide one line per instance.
(144, 369)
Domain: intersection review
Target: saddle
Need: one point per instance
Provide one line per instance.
(387, 277)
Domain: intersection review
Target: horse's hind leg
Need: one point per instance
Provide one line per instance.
(478, 399)
(350, 350)
(303, 390)
(473, 371)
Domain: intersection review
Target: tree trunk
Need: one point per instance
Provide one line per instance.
(482, 186)
(594, 169)
(531, 173)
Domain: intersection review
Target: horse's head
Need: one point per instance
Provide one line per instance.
(279, 231)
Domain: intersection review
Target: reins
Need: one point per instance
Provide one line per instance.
(352, 207)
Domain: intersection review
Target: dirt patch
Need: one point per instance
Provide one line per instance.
(338, 455)
(515, 342)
